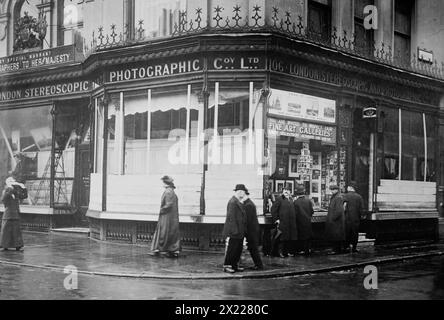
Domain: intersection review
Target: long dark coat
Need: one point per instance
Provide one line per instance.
(353, 213)
(11, 234)
(304, 212)
(283, 209)
(167, 237)
(236, 221)
(253, 228)
(335, 224)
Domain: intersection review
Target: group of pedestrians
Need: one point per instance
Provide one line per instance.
(292, 218)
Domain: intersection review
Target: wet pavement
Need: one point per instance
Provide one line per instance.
(419, 279)
(53, 252)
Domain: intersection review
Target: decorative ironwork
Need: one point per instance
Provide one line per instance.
(279, 22)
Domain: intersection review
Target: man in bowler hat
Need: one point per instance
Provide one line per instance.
(235, 229)
(253, 230)
(354, 210)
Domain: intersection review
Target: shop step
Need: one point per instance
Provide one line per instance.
(364, 241)
(82, 232)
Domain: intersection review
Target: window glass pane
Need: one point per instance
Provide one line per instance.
(27, 133)
(319, 20)
(360, 5)
(432, 141)
(99, 142)
(391, 144)
(412, 145)
(159, 16)
(168, 131)
(136, 131)
(112, 161)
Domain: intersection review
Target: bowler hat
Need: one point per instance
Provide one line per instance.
(240, 187)
(334, 187)
(167, 179)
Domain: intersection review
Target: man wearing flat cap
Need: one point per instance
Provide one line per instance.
(335, 223)
(235, 229)
(354, 210)
(284, 215)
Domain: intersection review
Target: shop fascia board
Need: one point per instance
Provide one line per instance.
(322, 54)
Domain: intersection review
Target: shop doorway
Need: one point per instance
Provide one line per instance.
(72, 158)
(362, 129)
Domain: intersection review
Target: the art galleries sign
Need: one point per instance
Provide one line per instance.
(301, 106)
(34, 59)
(46, 91)
(301, 130)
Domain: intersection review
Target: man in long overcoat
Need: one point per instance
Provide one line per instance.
(235, 229)
(335, 223)
(304, 211)
(11, 234)
(166, 238)
(284, 216)
(354, 210)
(253, 231)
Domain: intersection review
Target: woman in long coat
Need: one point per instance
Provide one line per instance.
(11, 235)
(304, 212)
(166, 238)
(283, 212)
(335, 223)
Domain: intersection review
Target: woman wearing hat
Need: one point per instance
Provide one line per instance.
(166, 239)
(11, 235)
(304, 211)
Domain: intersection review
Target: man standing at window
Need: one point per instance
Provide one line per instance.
(354, 210)
(335, 224)
(304, 212)
(235, 229)
(284, 216)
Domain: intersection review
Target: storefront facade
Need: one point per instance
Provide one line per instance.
(269, 107)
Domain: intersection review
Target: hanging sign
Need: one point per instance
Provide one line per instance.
(369, 113)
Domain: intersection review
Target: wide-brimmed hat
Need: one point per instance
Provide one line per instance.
(334, 187)
(300, 190)
(167, 179)
(241, 187)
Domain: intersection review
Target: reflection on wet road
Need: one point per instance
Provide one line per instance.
(419, 279)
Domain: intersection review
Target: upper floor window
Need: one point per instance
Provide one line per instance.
(403, 30)
(158, 17)
(70, 21)
(319, 19)
(363, 38)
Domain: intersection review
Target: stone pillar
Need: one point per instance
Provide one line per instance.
(46, 9)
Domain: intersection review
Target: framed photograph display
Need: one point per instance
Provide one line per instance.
(279, 186)
(293, 166)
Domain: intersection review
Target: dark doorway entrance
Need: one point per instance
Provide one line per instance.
(72, 158)
(362, 129)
